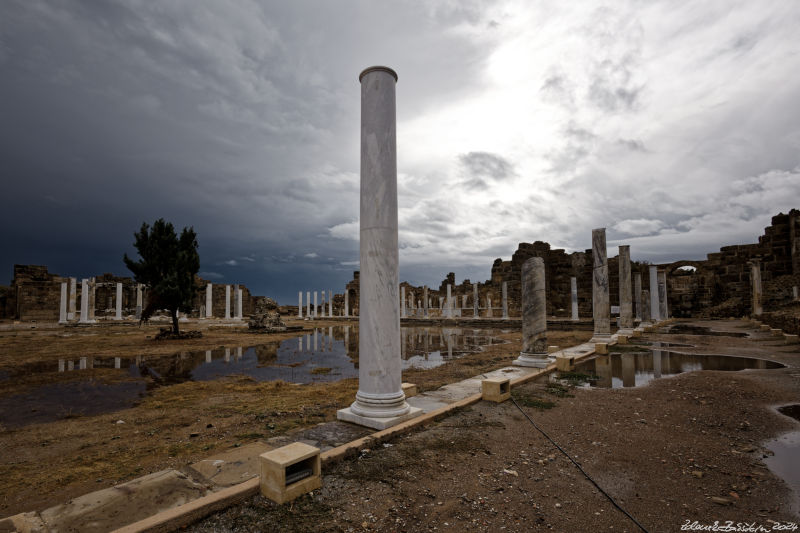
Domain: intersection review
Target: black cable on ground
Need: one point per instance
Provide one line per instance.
(579, 467)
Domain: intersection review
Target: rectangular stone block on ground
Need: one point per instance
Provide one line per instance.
(496, 389)
(290, 471)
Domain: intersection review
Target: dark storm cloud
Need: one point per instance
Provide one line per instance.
(483, 168)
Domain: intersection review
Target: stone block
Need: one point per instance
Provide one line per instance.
(601, 348)
(565, 363)
(409, 389)
(776, 332)
(552, 349)
(790, 339)
(496, 389)
(765, 327)
(636, 333)
(290, 471)
(622, 339)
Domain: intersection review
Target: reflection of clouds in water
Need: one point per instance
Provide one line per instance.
(432, 360)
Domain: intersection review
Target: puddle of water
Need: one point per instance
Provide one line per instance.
(691, 329)
(637, 369)
(659, 344)
(326, 354)
(785, 462)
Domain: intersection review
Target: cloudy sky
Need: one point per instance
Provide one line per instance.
(676, 125)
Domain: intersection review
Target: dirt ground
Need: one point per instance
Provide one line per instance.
(682, 450)
(45, 464)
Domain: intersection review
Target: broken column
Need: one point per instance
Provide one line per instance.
(138, 301)
(755, 281)
(655, 314)
(505, 299)
(534, 316)
(625, 299)
(62, 313)
(73, 292)
(601, 306)
(637, 296)
(380, 401)
(209, 300)
(574, 293)
(227, 302)
(475, 302)
(118, 303)
(300, 304)
(663, 311)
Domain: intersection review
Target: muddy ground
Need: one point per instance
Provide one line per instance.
(684, 449)
(45, 464)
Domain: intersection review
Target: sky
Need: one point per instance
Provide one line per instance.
(675, 125)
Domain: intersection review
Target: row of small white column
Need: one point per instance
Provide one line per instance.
(447, 305)
(69, 290)
(208, 311)
(311, 311)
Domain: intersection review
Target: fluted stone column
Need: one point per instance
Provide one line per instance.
(118, 303)
(73, 292)
(574, 293)
(601, 305)
(505, 299)
(227, 302)
(534, 316)
(645, 308)
(402, 302)
(62, 312)
(625, 297)
(637, 295)
(330, 304)
(209, 301)
(425, 301)
(449, 301)
(663, 310)
(300, 304)
(138, 301)
(655, 314)
(380, 401)
(475, 302)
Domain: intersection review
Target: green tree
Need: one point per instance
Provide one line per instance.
(167, 266)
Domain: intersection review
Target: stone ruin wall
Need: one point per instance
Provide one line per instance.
(34, 295)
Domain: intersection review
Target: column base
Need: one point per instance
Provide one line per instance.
(625, 331)
(601, 337)
(533, 360)
(347, 415)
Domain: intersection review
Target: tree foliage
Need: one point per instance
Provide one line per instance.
(168, 266)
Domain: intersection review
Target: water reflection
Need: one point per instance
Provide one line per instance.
(637, 369)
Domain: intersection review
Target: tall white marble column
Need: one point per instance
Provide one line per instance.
(62, 312)
(227, 302)
(654, 307)
(402, 302)
(322, 303)
(73, 293)
(239, 294)
(625, 297)
(84, 301)
(92, 298)
(209, 301)
(330, 304)
(308, 304)
(573, 290)
(475, 302)
(534, 315)
(637, 295)
(425, 301)
(601, 305)
(505, 299)
(663, 311)
(346, 302)
(300, 304)
(380, 401)
(138, 301)
(118, 303)
(449, 301)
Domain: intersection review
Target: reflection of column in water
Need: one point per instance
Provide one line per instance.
(665, 363)
(138, 361)
(426, 338)
(117, 362)
(238, 353)
(761, 363)
(628, 370)
(450, 346)
(90, 363)
(316, 341)
(330, 338)
(299, 344)
(602, 367)
(308, 342)
(82, 363)
(656, 363)
(227, 355)
(70, 365)
(60, 365)
(347, 340)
